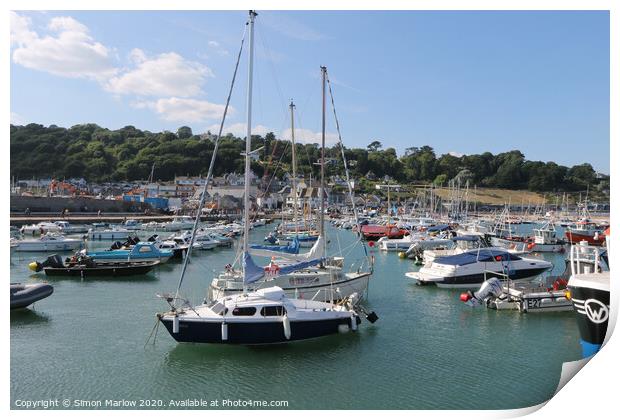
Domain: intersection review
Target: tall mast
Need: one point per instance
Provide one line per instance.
(322, 190)
(248, 138)
(295, 220)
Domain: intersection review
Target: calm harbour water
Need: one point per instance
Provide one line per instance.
(427, 351)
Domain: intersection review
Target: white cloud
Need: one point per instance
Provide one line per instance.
(303, 135)
(456, 154)
(239, 129)
(17, 119)
(215, 46)
(167, 74)
(184, 110)
(69, 51)
(290, 27)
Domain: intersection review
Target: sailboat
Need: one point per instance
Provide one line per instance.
(264, 316)
(308, 275)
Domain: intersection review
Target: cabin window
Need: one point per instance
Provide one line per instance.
(244, 311)
(273, 311)
(145, 249)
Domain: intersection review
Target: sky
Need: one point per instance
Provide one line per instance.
(463, 82)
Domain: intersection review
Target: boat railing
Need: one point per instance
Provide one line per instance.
(585, 259)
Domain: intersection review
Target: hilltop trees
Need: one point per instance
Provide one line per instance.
(100, 154)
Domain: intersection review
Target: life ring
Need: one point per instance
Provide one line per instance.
(560, 284)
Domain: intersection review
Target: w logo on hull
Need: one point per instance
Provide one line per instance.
(596, 311)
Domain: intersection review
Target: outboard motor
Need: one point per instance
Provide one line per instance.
(131, 241)
(116, 245)
(490, 288)
(54, 261)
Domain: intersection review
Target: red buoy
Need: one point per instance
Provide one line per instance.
(465, 296)
(371, 244)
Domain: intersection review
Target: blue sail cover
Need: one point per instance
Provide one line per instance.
(299, 266)
(253, 273)
(292, 248)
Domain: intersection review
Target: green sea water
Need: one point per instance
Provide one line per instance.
(427, 351)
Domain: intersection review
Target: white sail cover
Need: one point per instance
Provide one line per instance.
(316, 252)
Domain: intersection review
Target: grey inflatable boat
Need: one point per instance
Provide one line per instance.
(23, 295)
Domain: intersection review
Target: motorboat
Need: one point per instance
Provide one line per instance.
(468, 269)
(177, 248)
(142, 251)
(109, 233)
(152, 226)
(179, 223)
(376, 232)
(48, 242)
(23, 294)
(265, 316)
(585, 230)
(501, 293)
(546, 240)
(68, 228)
(40, 228)
(131, 224)
(459, 244)
(204, 242)
(589, 287)
(259, 222)
(85, 266)
(437, 235)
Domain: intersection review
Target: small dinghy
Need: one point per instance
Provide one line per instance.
(23, 295)
(81, 265)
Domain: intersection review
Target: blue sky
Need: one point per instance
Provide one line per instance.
(462, 82)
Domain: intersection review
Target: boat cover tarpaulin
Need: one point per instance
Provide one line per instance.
(471, 257)
(438, 228)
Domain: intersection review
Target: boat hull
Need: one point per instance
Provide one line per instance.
(591, 306)
(472, 280)
(102, 270)
(254, 333)
(575, 238)
(25, 295)
(47, 246)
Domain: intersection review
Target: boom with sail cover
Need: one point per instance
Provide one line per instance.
(253, 273)
(317, 251)
(292, 248)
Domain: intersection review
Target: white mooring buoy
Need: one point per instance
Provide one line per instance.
(175, 324)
